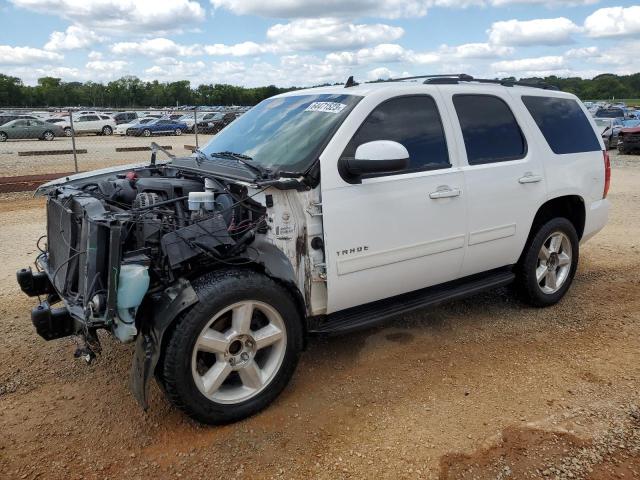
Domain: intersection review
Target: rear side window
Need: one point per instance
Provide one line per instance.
(490, 131)
(413, 121)
(563, 124)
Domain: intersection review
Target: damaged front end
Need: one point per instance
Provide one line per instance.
(124, 247)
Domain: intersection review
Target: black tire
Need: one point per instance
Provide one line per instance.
(3, 137)
(178, 131)
(48, 136)
(68, 132)
(146, 132)
(220, 290)
(527, 284)
(107, 130)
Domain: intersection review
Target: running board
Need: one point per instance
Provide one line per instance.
(374, 313)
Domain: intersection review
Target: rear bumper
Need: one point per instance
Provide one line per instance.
(596, 218)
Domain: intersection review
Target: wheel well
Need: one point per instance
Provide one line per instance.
(570, 207)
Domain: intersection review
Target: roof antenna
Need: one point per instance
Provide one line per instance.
(350, 82)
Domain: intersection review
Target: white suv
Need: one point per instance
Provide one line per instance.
(319, 211)
(99, 124)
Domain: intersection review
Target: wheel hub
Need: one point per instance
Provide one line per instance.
(552, 263)
(240, 351)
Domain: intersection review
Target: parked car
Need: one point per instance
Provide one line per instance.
(189, 120)
(98, 124)
(123, 127)
(609, 129)
(319, 211)
(125, 117)
(158, 127)
(611, 112)
(214, 122)
(28, 129)
(629, 140)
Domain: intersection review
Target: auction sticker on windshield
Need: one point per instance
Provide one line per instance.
(327, 107)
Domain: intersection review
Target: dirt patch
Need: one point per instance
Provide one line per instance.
(484, 381)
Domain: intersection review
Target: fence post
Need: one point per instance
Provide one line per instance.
(195, 125)
(73, 140)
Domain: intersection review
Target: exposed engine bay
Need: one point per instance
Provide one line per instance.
(153, 225)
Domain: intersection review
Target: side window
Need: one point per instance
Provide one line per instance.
(490, 131)
(563, 124)
(413, 121)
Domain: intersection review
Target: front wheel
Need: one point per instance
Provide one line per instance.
(549, 263)
(107, 130)
(68, 132)
(234, 352)
(3, 137)
(146, 132)
(178, 131)
(48, 136)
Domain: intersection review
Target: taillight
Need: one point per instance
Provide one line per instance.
(607, 173)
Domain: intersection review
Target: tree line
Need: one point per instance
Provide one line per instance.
(130, 92)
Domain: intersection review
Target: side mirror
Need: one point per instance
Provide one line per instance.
(379, 156)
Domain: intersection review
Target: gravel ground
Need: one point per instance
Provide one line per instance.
(101, 152)
(478, 389)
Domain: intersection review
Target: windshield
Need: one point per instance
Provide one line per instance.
(286, 133)
(610, 113)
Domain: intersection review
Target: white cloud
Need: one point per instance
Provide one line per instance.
(548, 31)
(337, 8)
(177, 71)
(476, 50)
(26, 55)
(73, 38)
(330, 33)
(93, 55)
(584, 52)
(113, 67)
(613, 22)
(244, 49)
(155, 47)
(528, 65)
(547, 3)
(121, 15)
(380, 73)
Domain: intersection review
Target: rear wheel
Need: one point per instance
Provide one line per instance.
(67, 131)
(107, 130)
(178, 131)
(233, 353)
(549, 263)
(3, 137)
(146, 132)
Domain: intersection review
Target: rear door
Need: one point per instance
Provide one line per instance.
(504, 175)
(393, 233)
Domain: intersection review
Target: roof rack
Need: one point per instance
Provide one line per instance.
(454, 78)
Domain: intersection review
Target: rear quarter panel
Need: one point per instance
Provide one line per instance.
(579, 174)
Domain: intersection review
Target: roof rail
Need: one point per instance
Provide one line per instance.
(453, 78)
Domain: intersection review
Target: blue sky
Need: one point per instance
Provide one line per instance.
(307, 42)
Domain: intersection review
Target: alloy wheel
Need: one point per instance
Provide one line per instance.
(239, 352)
(554, 262)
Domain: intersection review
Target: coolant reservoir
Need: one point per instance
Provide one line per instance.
(133, 283)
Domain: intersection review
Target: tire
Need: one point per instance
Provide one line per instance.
(178, 131)
(536, 270)
(107, 130)
(67, 131)
(3, 137)
(146, 132)
(249, 376)
(48, 136)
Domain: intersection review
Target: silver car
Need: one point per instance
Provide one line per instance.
(29, 129)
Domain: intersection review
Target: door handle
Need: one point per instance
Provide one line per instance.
(445, 192)
(530, 178)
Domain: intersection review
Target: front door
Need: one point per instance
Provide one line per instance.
(400, 232)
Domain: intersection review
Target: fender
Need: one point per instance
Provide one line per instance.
(181, 296)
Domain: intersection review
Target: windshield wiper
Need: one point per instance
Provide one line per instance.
(245, 160)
